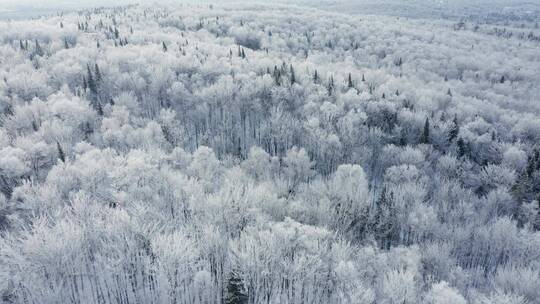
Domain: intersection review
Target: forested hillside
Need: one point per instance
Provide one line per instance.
(268, 154)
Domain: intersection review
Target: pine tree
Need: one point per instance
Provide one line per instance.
(90, 81)
(462, 147)
(536, 223)
(316, 77)
(521, 189)
(99, 109)
(402, 137)
(383, 223)
(61, 24)
(277, 76)
(350, 83)
(21, 45)
(98, 74)
(292, 75)
(164, 46)
(235, 290)
(424, 139)
(531, 166)
(66, 44)
(363, 78)
(61, 154)
(449, 93)
(331, 86)
(243, 54)
(85, 84)
(38, 50)
(536, 155)
(502, 79)
(454, 130)
(527, 186)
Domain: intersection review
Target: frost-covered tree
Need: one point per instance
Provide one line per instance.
(268, 154)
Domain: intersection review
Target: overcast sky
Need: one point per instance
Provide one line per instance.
(425, 8)
(79, 3)
(57, 3)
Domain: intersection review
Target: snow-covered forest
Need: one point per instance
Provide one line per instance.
(268, 154)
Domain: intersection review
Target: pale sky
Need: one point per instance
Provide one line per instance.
(80, 3)
(26, 7)
(59, 3)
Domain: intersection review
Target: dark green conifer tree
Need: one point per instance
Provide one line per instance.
(61, 154)
(236, 293)
(454, 130)
(292, 75)
(424, 138)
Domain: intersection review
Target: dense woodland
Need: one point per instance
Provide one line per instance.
(267, 154)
